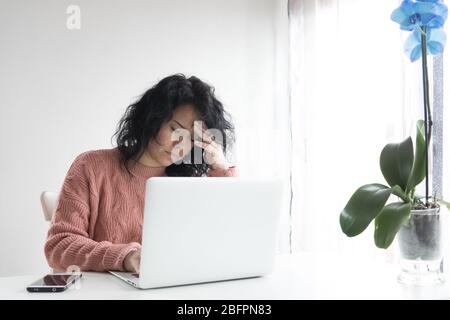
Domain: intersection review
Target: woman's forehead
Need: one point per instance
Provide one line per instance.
(186, 116)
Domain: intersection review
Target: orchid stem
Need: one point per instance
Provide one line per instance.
(426, 107)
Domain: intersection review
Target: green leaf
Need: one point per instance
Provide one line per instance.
(389, 221)
(363, 207)
(396, 190)
(396, 161)
(418, 170)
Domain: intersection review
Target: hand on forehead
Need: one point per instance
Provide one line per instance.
(187, 118)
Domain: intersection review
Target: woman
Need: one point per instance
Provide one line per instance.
(98, 221)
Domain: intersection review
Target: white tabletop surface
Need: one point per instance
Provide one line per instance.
(298, 276)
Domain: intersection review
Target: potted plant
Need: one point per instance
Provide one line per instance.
(416, 220)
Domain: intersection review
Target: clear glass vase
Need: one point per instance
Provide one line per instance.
(421, 242)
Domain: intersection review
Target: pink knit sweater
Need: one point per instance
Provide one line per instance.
(98, 219)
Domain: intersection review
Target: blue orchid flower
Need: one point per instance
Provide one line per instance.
(434, 18)
(422, 13)
(436, 40)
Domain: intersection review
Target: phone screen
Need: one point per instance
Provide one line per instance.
(54, 280)
(53, 283)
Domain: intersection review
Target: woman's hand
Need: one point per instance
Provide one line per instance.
(214, 155)
(132, 261)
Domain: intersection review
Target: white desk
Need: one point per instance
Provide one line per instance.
(299, 276)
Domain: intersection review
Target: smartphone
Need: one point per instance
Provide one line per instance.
(56, 282)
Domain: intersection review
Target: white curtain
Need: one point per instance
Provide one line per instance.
(352, 91)
(262, 126)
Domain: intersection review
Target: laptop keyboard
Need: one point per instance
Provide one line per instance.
(136, 275)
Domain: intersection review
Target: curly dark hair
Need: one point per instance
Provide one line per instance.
(143, 119)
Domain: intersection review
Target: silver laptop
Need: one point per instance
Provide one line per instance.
(204, 229)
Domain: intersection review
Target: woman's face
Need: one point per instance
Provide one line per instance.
(174, 139)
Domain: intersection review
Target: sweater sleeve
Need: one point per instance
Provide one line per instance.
(68, 240)
(230, 172)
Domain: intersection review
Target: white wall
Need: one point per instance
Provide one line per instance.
(62, 91)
